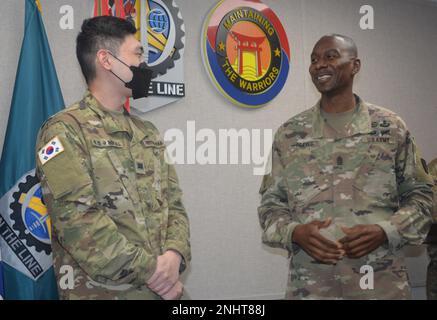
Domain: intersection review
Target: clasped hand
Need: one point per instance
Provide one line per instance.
(358, 241)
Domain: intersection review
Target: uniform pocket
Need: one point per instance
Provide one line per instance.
(124, 176)
(65, 174)
(375, 182)
(150, 180)
(306, 182)
(112, 177)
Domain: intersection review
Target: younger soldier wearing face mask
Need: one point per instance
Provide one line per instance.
(119, 224)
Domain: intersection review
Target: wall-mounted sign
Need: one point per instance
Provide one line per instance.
(245, 51)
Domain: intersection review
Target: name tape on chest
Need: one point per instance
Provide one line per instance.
(52, 149)
(102, 143)
(307, 144)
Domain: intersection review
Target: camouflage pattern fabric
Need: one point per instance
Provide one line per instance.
(431, 277)
(368, 174)
(431, 274)
(432, 167)
(114, 202)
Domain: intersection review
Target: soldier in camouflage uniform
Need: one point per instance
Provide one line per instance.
(120, 230)
(346, 191)
(431, 277)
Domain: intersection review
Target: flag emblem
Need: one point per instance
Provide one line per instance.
(50, 150)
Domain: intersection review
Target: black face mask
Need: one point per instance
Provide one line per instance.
(140, 82)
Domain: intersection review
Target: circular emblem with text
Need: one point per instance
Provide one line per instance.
(246, 52)
(30, 215)
(165, 35)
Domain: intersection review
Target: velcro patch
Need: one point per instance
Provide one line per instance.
(151, 143)
(104, 143)
(380, 139)
(52, 149)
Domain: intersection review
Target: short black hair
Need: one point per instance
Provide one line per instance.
(103, 32)
(352, 47)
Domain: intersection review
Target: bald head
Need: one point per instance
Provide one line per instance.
(347, 43)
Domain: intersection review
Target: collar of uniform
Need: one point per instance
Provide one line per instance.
(360, 123)
(138, 135)
(108, 122)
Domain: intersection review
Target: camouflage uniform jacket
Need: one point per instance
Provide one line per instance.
(366, 175)
(433, 172)
(432, 247)
(115, 204)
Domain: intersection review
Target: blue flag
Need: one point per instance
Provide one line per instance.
(24, 222)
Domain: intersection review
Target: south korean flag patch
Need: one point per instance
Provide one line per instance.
(50, 150)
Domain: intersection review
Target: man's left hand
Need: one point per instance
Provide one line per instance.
(362, 239)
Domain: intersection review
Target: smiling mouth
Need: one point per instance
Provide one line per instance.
(324, 78)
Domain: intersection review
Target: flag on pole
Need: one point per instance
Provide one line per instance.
(2, 290)
(24, 222)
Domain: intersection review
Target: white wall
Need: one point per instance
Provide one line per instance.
(229, 261)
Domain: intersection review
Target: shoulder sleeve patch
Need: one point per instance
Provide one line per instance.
(52, 149)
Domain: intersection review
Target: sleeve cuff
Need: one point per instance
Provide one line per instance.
(182, 250)
(290, 245)
(150, 270)
(393, 235)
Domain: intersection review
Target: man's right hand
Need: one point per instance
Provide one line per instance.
(308, 237)
(166, 274)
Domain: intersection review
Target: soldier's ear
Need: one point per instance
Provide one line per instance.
(102, 58)
(356, 66)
